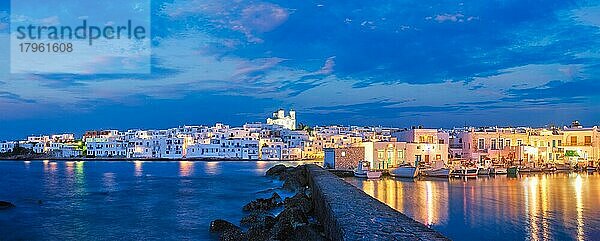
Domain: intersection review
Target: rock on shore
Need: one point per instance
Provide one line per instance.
(291, 224)
(6, 205)
(263, 203)
(226, 230)
(295, 178)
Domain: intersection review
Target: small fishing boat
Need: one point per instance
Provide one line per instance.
(405, 171)
(439, 172)
(456, 172)
(535, 169)
(563, 167)
(363, 171)
(464, 172)
(482, 171)
(470, 172)
(512, 170)
(498, 170)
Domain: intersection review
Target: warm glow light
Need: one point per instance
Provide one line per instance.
(138, 168)
(186, 168)
(579, 207)
(430, 208)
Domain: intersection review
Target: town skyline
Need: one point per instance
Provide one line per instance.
(445, 64)
(81, 130)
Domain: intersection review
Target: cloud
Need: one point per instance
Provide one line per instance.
(247, 17)
(263, 17)
(446, 17)
(50, 21)
(328, 66)
(14, 97)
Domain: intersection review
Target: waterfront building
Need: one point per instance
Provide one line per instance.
(7, 146)
(531, 146)
(279, 118)
(385, 155)
(107, 143)
(343, 158)
(581, 145)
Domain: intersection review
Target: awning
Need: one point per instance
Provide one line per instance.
(571, 153)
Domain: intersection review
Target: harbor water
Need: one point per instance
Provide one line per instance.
(553, 206)
(177, 200)
(126, 200)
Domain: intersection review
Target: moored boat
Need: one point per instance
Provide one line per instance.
(464, 172)
(456, 172)
(563, 167)
(405, 171)
(470, 172)
(512, 170)
(439, 172)
(590, 169)
(499, 170)
(482, 171)
(363, 171)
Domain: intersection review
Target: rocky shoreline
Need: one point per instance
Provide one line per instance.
(295, 222)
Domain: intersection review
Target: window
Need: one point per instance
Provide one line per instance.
(418, 158)
(481, 144)
(519, 142)
(573, 140)
(380, 154)
(343, 153)
(553, 145)
(587, 140)
(494, 144)
(400, 154)
(507, 143)
(501, 144)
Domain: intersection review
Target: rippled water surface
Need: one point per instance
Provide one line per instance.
(561, 206)
(126, 200)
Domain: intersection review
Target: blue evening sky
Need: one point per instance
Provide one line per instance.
(392, 63)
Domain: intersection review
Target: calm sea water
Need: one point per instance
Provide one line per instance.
(126, 200)
(561, 206)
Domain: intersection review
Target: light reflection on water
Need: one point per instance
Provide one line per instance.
(139, 200)
(560, 206)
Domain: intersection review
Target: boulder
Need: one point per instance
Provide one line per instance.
(263, 203)
(299, 201)
(6, 205)
(259, 234)
(287, 221)
(276, 170)
(258, 218)
(311, 232)
(295, 178)
(226, 230)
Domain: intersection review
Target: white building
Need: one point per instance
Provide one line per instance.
(279, 118)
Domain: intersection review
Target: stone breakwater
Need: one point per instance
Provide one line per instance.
(348, 213)
(295, 222)
(324, 207)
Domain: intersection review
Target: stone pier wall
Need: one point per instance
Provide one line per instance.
(348, 213)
